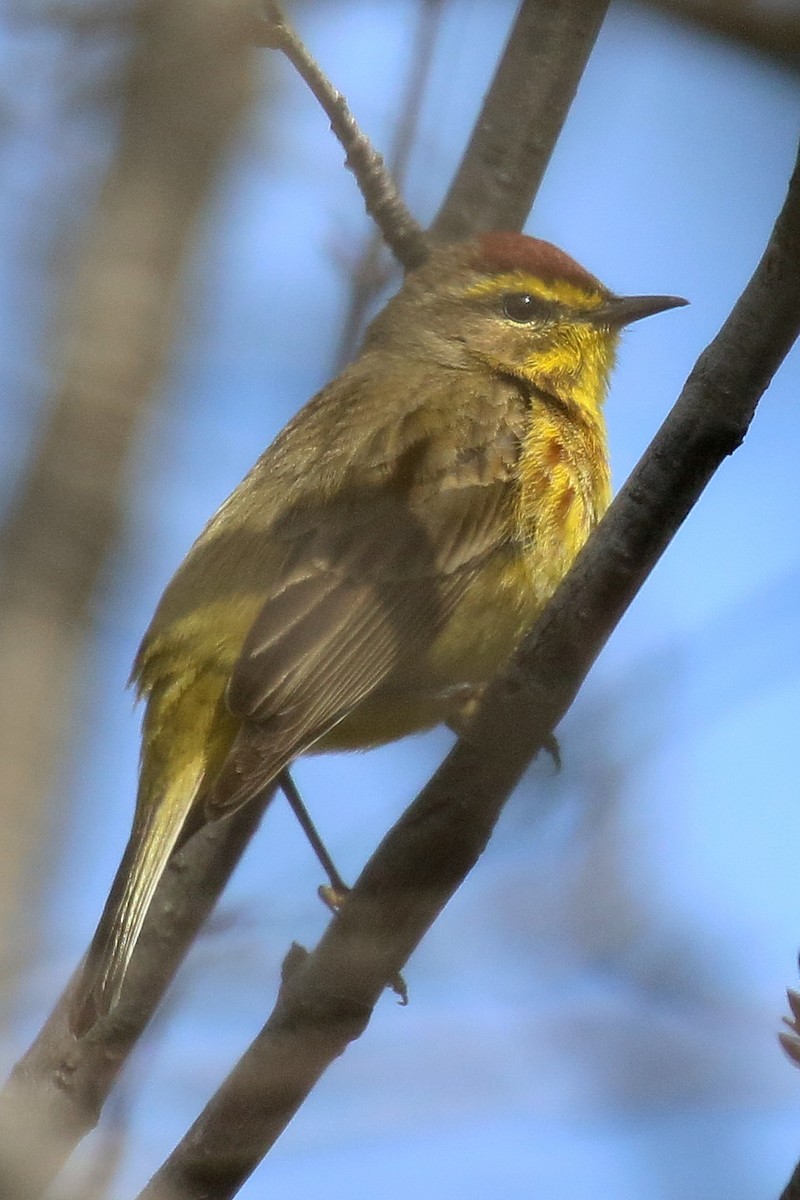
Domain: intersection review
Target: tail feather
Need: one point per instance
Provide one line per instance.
(154, 838)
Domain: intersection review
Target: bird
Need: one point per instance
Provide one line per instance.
(383, 558)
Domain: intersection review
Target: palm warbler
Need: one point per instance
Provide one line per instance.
(384, 556)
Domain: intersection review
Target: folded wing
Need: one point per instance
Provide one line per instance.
(366, 586)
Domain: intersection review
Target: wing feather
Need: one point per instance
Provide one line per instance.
(368, 581)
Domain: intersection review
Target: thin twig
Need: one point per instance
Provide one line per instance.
(366, 275)
(404, 236)
(327, 997)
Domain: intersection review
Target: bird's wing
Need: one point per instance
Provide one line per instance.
(368, 582)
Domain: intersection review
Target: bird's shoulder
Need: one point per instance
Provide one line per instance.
(414, 474)
(412, 426)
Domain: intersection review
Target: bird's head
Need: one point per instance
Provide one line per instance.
(517, 306)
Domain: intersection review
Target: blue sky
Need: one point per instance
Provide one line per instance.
(595, 1013)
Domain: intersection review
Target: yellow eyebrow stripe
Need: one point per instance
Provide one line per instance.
(558, 290)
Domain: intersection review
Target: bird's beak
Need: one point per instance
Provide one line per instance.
(622, 310)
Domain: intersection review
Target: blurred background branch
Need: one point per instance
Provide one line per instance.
(767, 27)
(184, 95)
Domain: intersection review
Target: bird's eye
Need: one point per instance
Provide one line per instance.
(523, 307)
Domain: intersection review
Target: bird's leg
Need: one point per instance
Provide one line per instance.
(464, 704)
(334, 893)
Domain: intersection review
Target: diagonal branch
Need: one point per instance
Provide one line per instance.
(792, 1189)
(367, 273)
(522, 116)
(327, 996)
(404, 236)
(186, 90)
(772, 30)
(57, 1090)
(515, 134)
(114, 331)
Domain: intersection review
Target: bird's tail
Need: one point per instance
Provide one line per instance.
(155, 835)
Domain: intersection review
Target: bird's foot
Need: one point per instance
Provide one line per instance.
(333, 898)
(550, 746)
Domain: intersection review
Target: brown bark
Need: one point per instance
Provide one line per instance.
(770, 29)
(523, 113)
(186, 90)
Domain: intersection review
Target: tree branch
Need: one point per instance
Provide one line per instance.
(520, 121)
(521, 118)
(792, 1189)
(187, 87)
(767, 29)
(327, 996)
(368, 274)
(404, 236)
(57, 1090)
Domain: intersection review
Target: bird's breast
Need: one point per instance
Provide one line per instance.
(564, 487)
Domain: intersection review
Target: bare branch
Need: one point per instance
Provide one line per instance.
(56, 1091)
(403, 235)
(522, 116)
(792, 1189)
(518, 127)
(327, 996)
(188, 85)
(771, 30)
(368, 275)
(791, 1044)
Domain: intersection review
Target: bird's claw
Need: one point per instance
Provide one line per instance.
(333, 898)
(550, 746)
